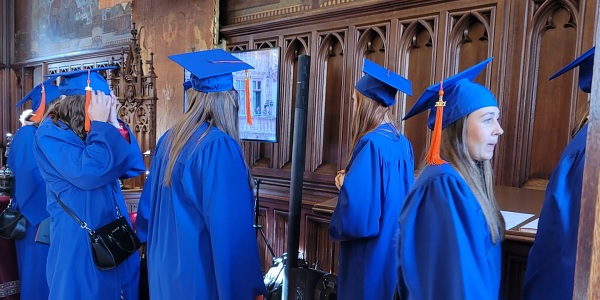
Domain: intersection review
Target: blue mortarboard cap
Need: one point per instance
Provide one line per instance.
(74, 82)
(462, 96)
(211, 69)
(586, 65)
(381, 84)
(35, 95)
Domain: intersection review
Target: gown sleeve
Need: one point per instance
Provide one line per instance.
(138, 166)
(226, 207)
(358, 210)
(143, 211)
(103, 158)
(439, 253)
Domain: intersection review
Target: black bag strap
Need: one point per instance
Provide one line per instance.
(82, 223)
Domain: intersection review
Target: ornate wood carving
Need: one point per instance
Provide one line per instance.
(280, 231)
(416, 49)
(271, 43)
(328, 104)
(293, 47)
(134, 84)
(319, 248)
(263, 250)
(548, 107)
(469, 40)
(137, 96)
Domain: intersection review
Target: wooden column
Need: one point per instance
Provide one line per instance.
(587, 269)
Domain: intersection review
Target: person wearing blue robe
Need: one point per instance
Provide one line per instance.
(82, 168)
(201, 243)
(29, 194)
(550, 268)
(372, 188)
(450, 225)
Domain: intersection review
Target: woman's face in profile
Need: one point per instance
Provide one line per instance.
(483, 130)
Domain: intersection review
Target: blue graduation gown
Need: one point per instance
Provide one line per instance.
(551, 264)
(365, 219)
(201, 242)
(29, 195)
(84, 175)
(446, 249)
(143, 210)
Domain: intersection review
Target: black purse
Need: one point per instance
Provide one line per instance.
(112, 243)
(13, 224)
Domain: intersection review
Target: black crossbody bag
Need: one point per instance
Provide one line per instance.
(13, 224)
(112, 243)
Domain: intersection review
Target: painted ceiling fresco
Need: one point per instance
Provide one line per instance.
(61, 27)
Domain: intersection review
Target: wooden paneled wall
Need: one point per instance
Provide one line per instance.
(6, 9)
(529, 40)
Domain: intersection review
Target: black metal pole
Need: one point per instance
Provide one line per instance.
(297, 176)
(256, 206)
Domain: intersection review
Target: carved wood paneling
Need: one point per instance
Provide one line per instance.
(136, 92)
(371, 43)
(552, 110)
(327, 104)
(469, 40)
(416, 48)
(319, 248)
(265, 44)
(280, 218)
(293, 47)
(514, 263)
(263, 250)
(426, 44)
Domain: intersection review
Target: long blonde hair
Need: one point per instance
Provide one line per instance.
(219, 109)
(369, 115)
(477, 174)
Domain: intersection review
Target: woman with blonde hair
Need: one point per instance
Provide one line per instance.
(450, 226)
(372, 187)
(198, 198)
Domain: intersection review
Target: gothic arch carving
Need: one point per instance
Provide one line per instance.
(473, 30)
(329, 86)
(416, 34)
(546, 17)
(370, 40)
(294, 47)
(417, 61)
(239, 47)
(265, 44)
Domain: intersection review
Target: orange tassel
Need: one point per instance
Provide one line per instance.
(248, 108)
(88, 98)
(433, 155)
(39, 113)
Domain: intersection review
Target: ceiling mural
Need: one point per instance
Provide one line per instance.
(61, 27)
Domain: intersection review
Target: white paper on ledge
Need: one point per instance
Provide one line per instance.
(513, 219)
(533, 225)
